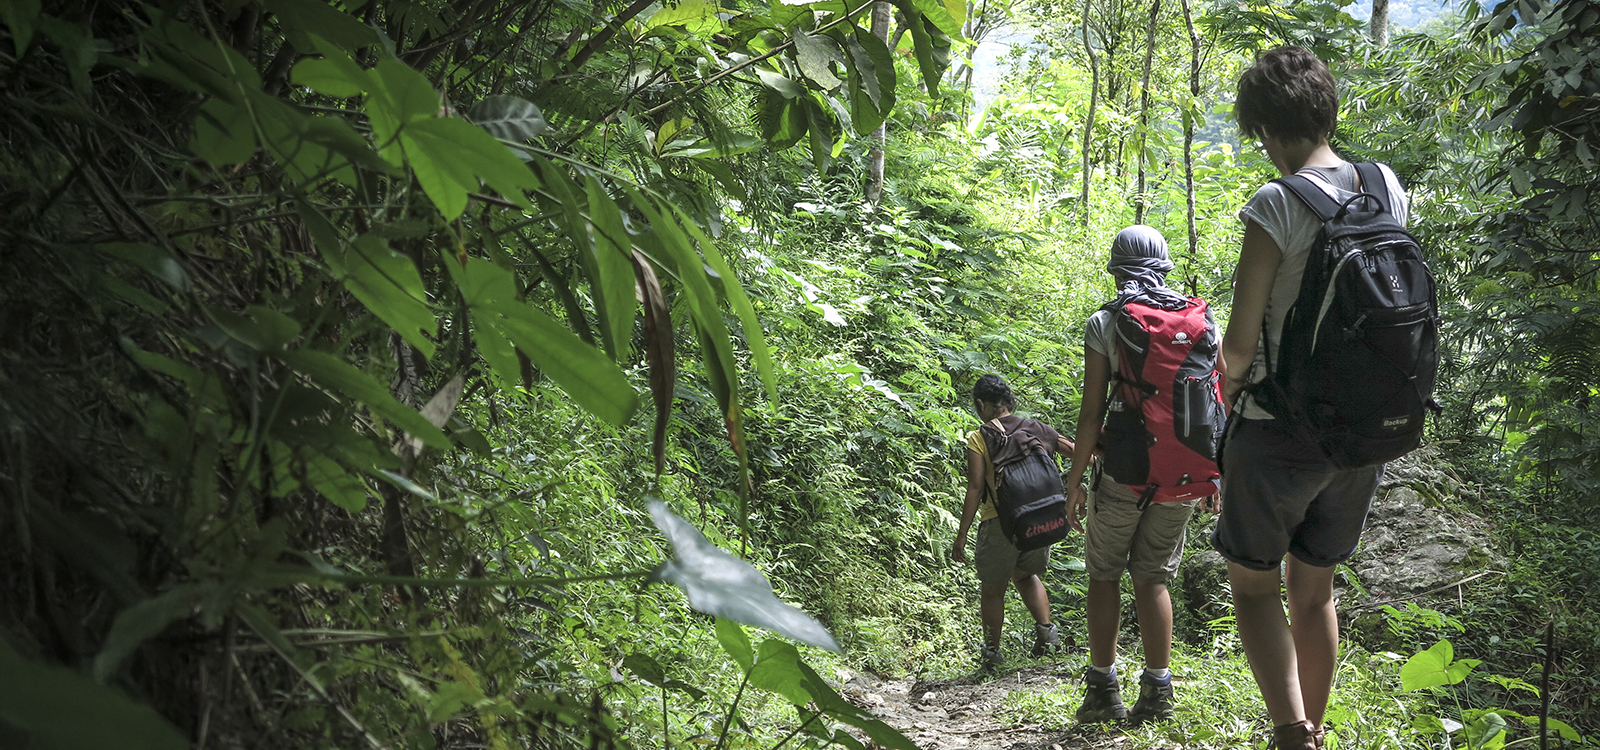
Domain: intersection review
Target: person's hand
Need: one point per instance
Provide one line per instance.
(1211, 503)
(1077, 506)
(958, 551)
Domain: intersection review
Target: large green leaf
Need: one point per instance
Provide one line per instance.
(341, 486)
(733, 290)
(339, 376)
(1433, 667)
(223, 134)
(63, 710)
(872, 78)
(777, 668)
(735, 642)
(326, 76)
(782, 120)
(932, 51)
(398, 95)
(508, 118)
(20, 16)
(720, 584)
(614, 290)
(450, 155)
(584, 372)
(300, 18)
(141, 622)
(831, 704)
(816, 55)
(389, 284)
(698, 17)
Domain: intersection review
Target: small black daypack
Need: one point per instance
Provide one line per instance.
(1030, 502)
(1360, 346)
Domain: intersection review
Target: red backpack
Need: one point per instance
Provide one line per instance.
(1165, 412)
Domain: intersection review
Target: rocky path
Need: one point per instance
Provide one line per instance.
(970, 714)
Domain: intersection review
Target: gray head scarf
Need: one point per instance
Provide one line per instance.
(1139, 256)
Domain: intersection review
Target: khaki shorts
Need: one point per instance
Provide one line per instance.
(997, 558)
(1118, 536)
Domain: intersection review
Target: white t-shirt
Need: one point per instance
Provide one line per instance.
(1294, 226)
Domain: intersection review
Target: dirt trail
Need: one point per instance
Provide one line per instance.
(966, 713)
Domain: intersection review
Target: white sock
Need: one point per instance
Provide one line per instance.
(1111, 670)
(1160, 674)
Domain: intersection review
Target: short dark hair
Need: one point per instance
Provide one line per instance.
(1288, 94)
(993, 389)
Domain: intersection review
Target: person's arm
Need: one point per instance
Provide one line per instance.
(1096, 378)
(1252, 287)
(969, 506)
(1064, 446)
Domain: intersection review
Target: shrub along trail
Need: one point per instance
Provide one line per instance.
(969, 712)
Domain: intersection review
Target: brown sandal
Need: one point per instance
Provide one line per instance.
(1299, 735)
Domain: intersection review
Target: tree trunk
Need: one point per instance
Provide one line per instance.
(1188, 135)
(1139, 199)
(1094, 100)
(1380, 23)
(879, 137)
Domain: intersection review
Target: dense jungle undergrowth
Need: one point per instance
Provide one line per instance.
(345, 348)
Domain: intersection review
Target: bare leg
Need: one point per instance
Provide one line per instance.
(1105, 619)
(1315, 626)
(992, 610)
(1033, 594)
(1154, 605)
(1270, 647)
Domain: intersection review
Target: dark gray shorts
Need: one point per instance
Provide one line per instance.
(1281, 495)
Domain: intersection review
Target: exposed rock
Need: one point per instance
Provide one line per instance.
(1417, 537)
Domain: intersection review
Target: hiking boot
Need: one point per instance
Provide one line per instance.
(989, 658)
(1046, 640)
(1155, 700)
(1102, 699)
(1300, 735)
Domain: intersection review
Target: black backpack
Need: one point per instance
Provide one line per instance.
(1360, 346)
(1030, 502)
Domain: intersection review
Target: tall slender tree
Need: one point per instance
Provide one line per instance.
(1190, 114)
(1379, 23)
(880, 137)
(1139, 199)
(1094, 101)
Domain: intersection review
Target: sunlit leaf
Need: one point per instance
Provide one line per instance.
(735, 642)
(777, 668)
(720, 584)
(1430, 668)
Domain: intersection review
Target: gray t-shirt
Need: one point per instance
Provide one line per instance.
(1294, 226)
(1100, 334)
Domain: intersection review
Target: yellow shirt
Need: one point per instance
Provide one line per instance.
(976, 444)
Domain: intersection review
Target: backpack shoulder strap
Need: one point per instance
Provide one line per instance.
(1319, 202)
(1375, 184)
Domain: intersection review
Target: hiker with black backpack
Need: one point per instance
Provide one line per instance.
(1331, 352)
(1014, 491)
(1150, 372)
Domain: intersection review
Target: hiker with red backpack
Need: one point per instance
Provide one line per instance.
(1150, 372)
(1331, 353)
(1014, 491)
